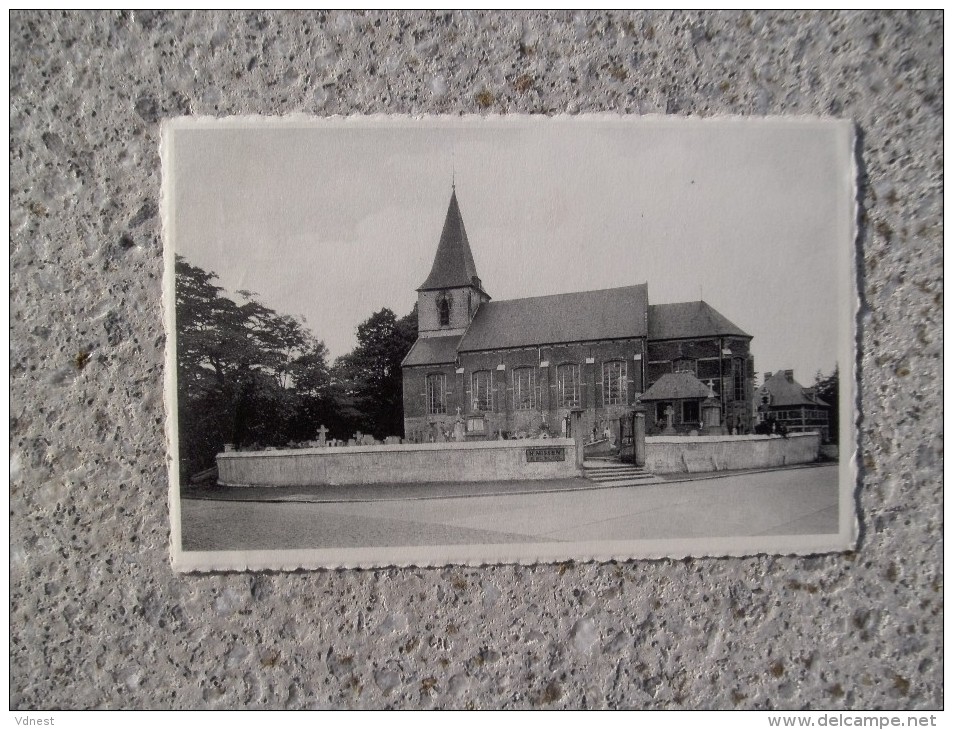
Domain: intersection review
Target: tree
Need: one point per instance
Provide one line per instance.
(246, 374)
(369, 381)
(828, 390)
(316, 404)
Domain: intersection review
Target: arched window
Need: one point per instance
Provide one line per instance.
(567, 385)
(443, 306)
(614, 383)
(481, 390)
(524, 389)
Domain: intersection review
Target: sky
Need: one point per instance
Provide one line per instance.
(335, 219)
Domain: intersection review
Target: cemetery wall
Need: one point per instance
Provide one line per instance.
(671, 454)
(398, 464)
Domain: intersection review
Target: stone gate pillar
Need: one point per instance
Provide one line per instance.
(578, 433)
(638, 434)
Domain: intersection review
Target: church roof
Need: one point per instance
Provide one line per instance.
(786, 391)
(689, 319)
(578, 317)
(453, 265)
(432, 351)
(673, 386)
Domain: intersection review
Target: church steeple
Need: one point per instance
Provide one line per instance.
(452, 293)
(453, 265)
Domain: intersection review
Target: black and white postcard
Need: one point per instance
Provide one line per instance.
(466, 340)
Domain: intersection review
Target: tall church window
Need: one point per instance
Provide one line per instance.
(524, 389)
(437, 393)
(614, 385)
(567, 385)
(739, 379)
(481, 390)
(443, 307)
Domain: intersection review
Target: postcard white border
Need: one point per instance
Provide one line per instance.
(524, 553)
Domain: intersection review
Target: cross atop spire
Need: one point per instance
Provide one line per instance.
(453, 265)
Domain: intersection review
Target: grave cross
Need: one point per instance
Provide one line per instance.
(322, 436)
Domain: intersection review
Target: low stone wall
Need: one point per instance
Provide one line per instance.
(671, 454)
(404, 464)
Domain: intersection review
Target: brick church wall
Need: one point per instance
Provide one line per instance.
(504, 416)
(419, 425)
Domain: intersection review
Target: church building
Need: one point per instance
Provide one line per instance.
(518, 368)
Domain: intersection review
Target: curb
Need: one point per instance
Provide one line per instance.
(593, 486)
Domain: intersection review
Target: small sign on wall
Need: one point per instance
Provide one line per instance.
(545, 453)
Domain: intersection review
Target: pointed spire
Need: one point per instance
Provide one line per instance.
(453, 265)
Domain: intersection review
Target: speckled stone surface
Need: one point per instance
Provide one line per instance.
(100, 620)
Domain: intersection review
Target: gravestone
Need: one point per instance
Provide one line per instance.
(322, 436)
(711, 415)
(669, 416)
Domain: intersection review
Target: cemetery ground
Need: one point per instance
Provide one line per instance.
(784, 501)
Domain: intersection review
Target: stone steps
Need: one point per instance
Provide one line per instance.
(615, 474)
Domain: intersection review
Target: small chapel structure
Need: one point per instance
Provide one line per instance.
(485, 369)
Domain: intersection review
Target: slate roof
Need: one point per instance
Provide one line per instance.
(673, 386)
(432, 351)
(578, 317)
(786, 392)
(453, 265)
(689, 319)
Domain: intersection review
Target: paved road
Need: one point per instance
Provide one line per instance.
(783, 502)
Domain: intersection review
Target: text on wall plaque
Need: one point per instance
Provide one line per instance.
(545, 453)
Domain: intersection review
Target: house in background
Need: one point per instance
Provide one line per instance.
(796, 408)
(509, 369)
